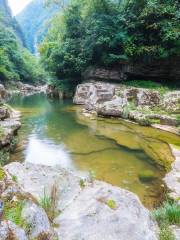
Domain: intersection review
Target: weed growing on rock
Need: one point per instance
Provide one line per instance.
(14, 178)
(111, 204)
(168, 213)
(82, 183)
(49, 203)
(4, 157)
(12, 212)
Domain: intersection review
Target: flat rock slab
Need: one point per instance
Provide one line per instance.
(88, 213)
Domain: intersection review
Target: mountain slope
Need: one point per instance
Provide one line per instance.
(8, 21)
(33, 21)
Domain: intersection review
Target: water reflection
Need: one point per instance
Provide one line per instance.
(45, 152)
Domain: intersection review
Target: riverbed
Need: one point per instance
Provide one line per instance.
(56, 133)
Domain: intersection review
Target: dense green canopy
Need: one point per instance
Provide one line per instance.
(107, 32)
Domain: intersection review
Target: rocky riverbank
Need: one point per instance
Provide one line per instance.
(9, 125)
(144, 106)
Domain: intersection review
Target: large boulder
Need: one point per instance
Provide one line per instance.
(96, 211)
(105, 212)
(112, 108)
(90, 94)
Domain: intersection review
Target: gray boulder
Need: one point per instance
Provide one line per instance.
(37, 219)
(112, 108)
(9, 230)
(92, 217)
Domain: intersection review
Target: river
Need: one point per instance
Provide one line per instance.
(56, 133)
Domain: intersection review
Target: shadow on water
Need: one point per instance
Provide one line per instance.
(55, 133)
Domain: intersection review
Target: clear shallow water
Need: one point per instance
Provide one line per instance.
(55, 133)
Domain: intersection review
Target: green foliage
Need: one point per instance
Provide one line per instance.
(12, 212)
(149, 85)
(4, 157)
(14, 178)
(49, 203)
(168, 213)
(107, 32)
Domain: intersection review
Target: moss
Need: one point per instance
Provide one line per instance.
(147, 176)
(2, 174)
(111, 204)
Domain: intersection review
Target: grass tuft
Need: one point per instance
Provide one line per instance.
(49, 203)
(169, 213)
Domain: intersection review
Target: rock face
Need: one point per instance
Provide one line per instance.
(86, 213)
(152, 70)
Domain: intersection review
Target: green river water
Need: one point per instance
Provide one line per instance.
(56, 133)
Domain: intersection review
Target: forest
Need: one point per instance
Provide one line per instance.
(106, 33)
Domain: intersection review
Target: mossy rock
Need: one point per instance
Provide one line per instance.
(147, 176)
(2, 174)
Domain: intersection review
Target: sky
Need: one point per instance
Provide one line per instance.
(17, 5)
